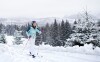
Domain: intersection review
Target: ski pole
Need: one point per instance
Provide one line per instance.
(38, 53)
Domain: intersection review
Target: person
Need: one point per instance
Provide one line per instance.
(31, 33)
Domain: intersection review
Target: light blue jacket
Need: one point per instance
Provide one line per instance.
(32, 32)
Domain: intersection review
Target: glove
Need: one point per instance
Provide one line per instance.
(29, 37)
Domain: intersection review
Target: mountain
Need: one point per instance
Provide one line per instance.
(23, 21)
(43, 21)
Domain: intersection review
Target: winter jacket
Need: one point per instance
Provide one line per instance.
(32, 32)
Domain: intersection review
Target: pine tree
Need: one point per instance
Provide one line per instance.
(98, 23)
(85, 30)
(55, 33)
(2, 36)
(75, 22)
(65, 31)
(18, 36)
(1, 25)
(68, 29)
(44, 34)
(10, 29)
(62, 31)
(48, 38)
(59, 31)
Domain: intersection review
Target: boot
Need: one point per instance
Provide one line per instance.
(33, 56)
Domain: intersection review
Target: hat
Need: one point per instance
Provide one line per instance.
(33, 21)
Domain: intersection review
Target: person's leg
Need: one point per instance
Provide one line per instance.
(30, 44)
(32, 47)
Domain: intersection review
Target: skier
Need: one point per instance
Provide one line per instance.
(31, 33)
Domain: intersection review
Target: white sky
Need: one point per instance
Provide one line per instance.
(46, 8)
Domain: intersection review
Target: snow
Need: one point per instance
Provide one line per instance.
(9, 39)
(19, 53)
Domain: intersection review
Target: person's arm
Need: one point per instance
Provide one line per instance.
(37, 30)
(28, 34)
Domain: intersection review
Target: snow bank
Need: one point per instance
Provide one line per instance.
(15, 53)
(3, 48)
(86, 49)
(20, 53)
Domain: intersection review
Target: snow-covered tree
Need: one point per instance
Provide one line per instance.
(47, 34)
(1, 26)
(18, 37)
(84, 29)
(68, 29)
(2, 36)
(62, 31)
(55, 38)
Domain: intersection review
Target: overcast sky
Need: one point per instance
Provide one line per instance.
(46, 8)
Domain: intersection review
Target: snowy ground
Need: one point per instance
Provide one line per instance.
(17, 53)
